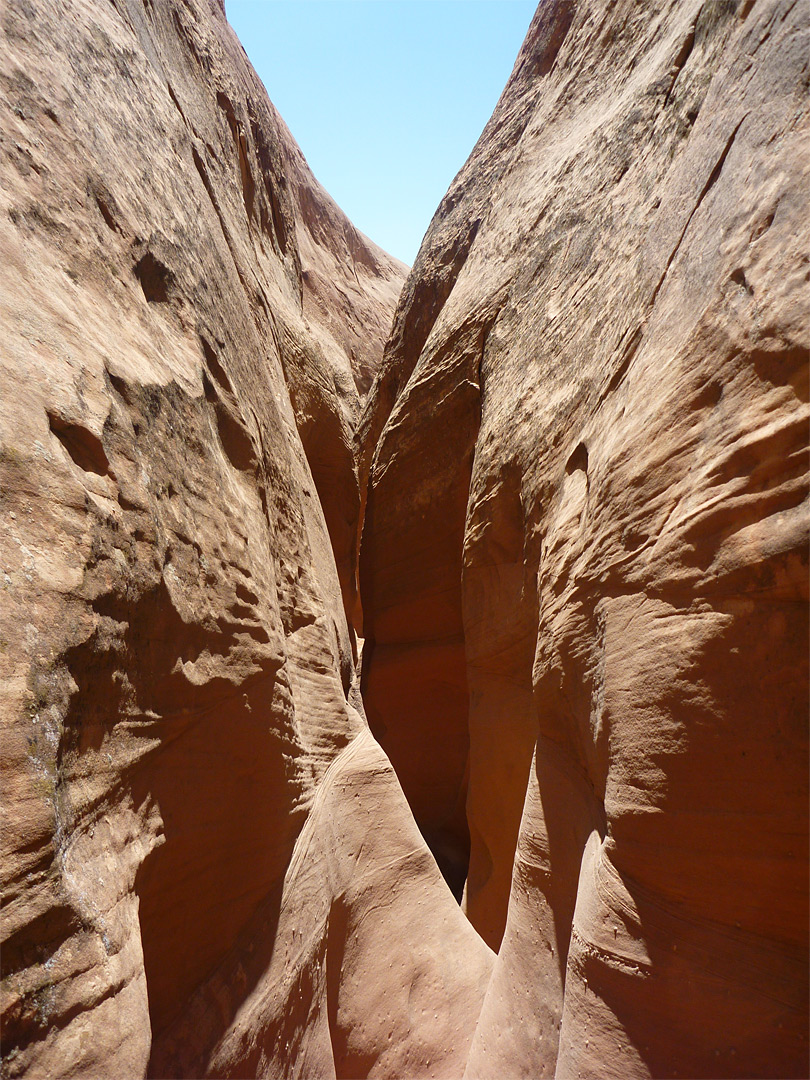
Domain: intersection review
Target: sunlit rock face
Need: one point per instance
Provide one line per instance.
(584, 564)
(208, 865)
(581, 468)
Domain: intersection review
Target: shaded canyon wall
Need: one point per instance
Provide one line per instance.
(585, 560)
(197, 826)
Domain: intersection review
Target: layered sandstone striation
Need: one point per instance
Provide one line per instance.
(208, 865)
(584, 566)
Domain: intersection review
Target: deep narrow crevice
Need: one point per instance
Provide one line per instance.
(414, 679)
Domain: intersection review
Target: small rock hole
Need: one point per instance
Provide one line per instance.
(578, 460)
(215, 367)
(235, 440)
(739, 278)
(106, 213)
(121, 387)
(82, 445)
(709, 394)
(246, 595)
(154, 277)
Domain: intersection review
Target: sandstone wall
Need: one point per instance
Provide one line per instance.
(208, 865)
(584, 561)
(582, 473)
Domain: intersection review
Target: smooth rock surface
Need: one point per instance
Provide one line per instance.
(585, 554)
(208, 866)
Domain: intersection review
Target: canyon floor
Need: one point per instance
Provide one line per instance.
(404, 672)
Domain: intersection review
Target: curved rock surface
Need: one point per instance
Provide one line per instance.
(583, 472)
(584, 564)
(208, 865)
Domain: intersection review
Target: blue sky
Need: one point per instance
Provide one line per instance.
(386, 98)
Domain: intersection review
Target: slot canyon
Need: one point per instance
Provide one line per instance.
(404, 671)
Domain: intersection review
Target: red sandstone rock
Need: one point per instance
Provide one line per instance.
(584, 565)
(587, 511)
(208, 866)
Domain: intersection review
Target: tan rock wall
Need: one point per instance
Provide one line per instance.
(197, 828)
(582, 469)
(622, 296)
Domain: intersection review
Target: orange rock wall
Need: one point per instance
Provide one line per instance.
(581, 471)
(587, 460)
(197, 827)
